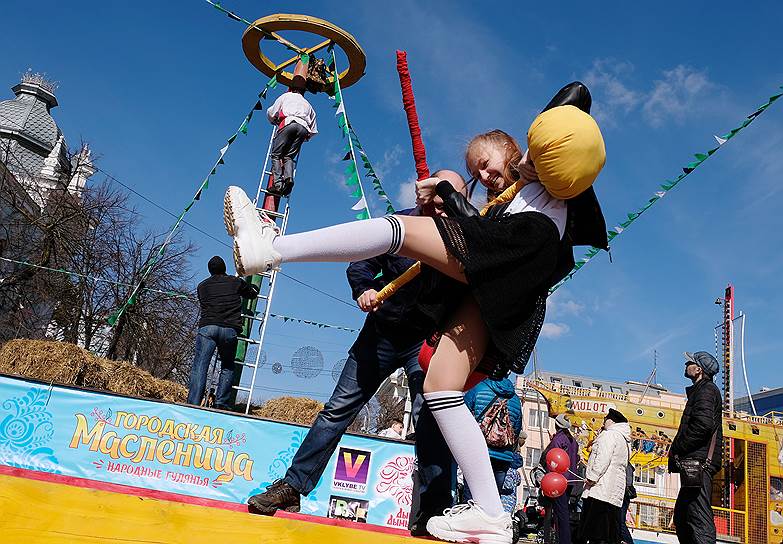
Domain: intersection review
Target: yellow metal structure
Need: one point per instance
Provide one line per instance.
(33, 511)
(754, 474)
(269, 26)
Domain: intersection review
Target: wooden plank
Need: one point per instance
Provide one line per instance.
(33, 511)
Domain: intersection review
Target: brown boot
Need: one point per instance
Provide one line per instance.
(278, 496)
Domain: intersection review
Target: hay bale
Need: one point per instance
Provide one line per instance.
(129, 379)
(57, 362)
(290, 409)
(68, 364)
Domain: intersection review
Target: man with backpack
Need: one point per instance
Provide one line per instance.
(498, 410)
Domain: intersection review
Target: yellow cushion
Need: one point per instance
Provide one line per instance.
(567, 149)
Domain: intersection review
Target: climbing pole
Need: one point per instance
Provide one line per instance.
(256, 313)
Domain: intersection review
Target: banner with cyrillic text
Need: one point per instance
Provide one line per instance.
(194, 452)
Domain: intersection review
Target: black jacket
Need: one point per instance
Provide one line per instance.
(703, 414)
(220, 297)
(399, 318)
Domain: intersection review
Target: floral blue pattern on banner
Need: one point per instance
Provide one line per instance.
(26, 430)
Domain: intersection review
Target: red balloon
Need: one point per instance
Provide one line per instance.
(425, 355)
(557, 460)
(553, 484)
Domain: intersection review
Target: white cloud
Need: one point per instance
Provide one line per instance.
(676, 95)
(554, 330)
(681, 91)
(560, 304)
(613, 96)
(406, 194)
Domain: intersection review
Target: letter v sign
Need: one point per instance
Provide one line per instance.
(352, 468)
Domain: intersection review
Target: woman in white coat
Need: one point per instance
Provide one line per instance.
(605, 481)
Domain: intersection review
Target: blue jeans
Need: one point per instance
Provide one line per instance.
(499, 469)
(209, 338)
(371, 360)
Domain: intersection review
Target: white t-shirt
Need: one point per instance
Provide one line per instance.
(390, 433)
(296, 109)
(534, 198)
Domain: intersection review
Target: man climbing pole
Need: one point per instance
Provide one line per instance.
(295, 120)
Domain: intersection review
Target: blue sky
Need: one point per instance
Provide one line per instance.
(156, 88)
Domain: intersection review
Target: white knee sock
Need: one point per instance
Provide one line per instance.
(348, 242)
(468, 446)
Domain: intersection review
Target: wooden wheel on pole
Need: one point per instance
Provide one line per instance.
(268, 28)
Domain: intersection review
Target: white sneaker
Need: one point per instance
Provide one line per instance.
(253, 233)
(469, 523)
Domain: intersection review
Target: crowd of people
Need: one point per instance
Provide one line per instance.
(477, 309)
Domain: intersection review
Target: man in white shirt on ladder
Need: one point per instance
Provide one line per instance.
(295, 120)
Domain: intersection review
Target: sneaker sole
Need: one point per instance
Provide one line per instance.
(269, 510)
(454, 536)
(231, 229)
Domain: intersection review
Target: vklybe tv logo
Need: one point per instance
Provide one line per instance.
(352, 470)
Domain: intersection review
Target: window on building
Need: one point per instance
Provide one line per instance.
(644, 475)
(597, 386)
(538, 418)
(555, 379)
(648, 515)
(615, 389)
(532, 455)
(577, 383)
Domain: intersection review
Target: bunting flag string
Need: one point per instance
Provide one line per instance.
(161, 250)
(173, 294)
(318, 324)
(369, 171)
(668, 185)
(270, 35)
(352, 179)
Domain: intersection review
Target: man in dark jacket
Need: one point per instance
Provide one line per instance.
(702, 419)
(390, 339)
(220, 297)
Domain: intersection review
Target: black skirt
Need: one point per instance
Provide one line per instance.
(599, 522)
(509, 263)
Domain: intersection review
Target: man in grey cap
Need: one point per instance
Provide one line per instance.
(699, 437)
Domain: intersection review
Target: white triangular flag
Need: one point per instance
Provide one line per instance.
(362, 204)
(660, 194)
(721, 141)
(618, 230)
(223, 150)
(340, 109)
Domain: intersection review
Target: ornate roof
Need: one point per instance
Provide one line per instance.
(26, 123)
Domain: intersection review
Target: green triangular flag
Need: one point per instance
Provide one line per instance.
(389, 208)
(305, 58)
(357, 193)
(364, 214)
(350, 169)
(243, 126)
(353, 179)
(701, 156)
(272, 83)
(713, 150)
